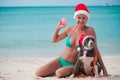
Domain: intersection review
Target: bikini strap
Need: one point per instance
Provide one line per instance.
(73, 47)
(73, 29)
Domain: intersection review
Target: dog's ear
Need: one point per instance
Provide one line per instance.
(82, 48)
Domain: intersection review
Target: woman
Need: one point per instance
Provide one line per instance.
(63, 65)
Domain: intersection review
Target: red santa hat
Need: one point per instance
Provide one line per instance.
(81, 9)
(82, 38)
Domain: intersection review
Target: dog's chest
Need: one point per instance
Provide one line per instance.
(88, 53)
(87, 58)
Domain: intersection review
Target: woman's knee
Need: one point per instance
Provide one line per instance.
(63, 72)
(59, 73)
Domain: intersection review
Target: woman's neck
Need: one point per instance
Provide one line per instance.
(80, 28)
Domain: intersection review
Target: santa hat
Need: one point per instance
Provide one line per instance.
(81, 9)
(83, 37)
(82, 40)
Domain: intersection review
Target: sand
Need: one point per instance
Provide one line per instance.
(24, 69)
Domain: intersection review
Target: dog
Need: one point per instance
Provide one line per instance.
(86, 63)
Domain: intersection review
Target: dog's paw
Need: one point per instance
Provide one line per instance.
(81, 57)
(72, 76)
(97, 75)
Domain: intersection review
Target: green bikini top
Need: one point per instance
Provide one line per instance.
(68, 43)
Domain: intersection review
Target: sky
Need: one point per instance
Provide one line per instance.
(55, 2)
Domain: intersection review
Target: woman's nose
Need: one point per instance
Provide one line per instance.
(81, 20)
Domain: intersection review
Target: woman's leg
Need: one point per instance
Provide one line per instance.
(49, 68)
(64, 72)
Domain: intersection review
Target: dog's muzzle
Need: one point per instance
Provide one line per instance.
(91, 43)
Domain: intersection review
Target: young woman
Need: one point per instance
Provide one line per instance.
(63, 65)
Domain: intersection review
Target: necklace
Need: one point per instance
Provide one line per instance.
(78, 30)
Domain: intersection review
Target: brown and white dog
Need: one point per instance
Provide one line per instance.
(87, 63)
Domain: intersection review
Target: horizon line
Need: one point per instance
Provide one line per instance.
(57, 6)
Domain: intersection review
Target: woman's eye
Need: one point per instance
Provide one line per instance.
(79, 17)
(83, 18)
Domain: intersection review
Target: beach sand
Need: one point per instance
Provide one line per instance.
(24, 69)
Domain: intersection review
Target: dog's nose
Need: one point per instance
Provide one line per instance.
(91, 43)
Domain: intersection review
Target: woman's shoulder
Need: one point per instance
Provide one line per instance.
(90, 30)
(70, 29)
(90, 27)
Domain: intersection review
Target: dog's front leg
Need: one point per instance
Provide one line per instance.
(97, 75)
(76, 69)
(84, 55)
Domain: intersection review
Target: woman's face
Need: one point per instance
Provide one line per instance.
(81, 19)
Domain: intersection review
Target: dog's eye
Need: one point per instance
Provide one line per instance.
(87, 39)
(92, 39)
(86, 42)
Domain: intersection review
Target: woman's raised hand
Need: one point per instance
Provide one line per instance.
(62, 23)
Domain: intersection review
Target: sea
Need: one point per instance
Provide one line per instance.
(26, 32)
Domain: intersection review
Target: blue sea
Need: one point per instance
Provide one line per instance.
(27, 31)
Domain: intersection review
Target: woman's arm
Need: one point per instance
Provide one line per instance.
(98, 53)
(59, 36)
(101, 63)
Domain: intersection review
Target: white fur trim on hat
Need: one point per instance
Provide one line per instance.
(81, 12)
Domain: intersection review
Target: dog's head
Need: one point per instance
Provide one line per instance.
(87, 41)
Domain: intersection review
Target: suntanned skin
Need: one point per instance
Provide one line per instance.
(69, 54)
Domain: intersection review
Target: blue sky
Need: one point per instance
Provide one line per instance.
(55, 2)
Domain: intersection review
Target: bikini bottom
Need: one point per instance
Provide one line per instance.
(65, 63)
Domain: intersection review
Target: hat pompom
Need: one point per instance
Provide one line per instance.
(78, 49)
